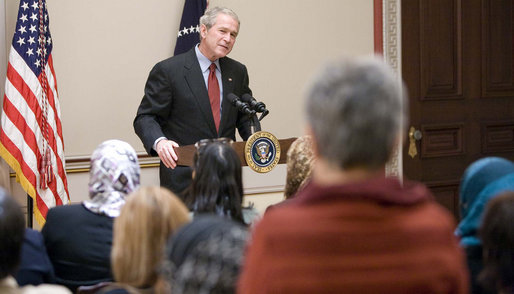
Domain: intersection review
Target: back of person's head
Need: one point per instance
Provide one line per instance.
(299, 165)
(356, 110)
(205, 256)
(12, 230)
(149, 217)
(114, 173)
(497, 234)
(481, 181)
(217, 185)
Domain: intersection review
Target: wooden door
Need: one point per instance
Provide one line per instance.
(457, 62)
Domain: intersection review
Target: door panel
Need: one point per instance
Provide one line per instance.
(458, 64)
(497, 42)
(440, 40)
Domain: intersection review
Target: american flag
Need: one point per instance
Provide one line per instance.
(189, 31)
(31, 139)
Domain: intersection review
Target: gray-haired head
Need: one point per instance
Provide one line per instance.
(356, 109)
(210, 15)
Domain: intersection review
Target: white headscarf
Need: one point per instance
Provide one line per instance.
(114, 173)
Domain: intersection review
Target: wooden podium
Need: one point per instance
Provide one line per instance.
(186, 153)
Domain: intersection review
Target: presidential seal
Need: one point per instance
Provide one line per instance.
(262, 152)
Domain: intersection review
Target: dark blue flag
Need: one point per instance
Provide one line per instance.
(189, 30)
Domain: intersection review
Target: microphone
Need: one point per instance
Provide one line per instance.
(257, 106)
(241, 106)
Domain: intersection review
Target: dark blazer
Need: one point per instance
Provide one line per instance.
(176, 106)
(35, 266)
(79, 244)
(474, 258)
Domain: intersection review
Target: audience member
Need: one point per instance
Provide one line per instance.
(78, 237)
(148, 219)
(482, 180)
(12, 231)
(217, 185)
(497, 234)
(351, 229)
(205, 256)
(35, 266)
(299, 165)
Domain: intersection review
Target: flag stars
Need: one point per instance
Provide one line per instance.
(33, 17)
(34, 5)
(21, 41)
(37, 63)
(23, 17)
(22, 29)
(31, 40)
(190, 30)
(38, 51)
(25, 6)
(32, 28)
(49, 40)
(30, 52)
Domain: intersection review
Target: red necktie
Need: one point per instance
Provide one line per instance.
(214, 95)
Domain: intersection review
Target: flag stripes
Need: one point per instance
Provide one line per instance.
(30, 124)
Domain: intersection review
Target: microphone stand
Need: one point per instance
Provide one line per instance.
(255, 124)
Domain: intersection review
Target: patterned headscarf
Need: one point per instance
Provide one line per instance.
(205, 256)
(482, 180)
(300, 159)
(114, 173)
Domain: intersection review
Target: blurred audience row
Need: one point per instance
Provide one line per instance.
(344, 227)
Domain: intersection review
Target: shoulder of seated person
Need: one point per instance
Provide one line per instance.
(45, 289)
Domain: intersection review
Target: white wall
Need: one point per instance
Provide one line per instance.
(104, 49)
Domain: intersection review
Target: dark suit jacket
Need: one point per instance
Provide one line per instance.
(35, 266)
(176, 106)
(79, 244)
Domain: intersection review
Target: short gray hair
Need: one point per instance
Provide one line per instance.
(356, 109)
(210, 15)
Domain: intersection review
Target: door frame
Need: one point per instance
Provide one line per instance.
(387, 42)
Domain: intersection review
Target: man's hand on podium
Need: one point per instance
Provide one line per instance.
(167, 154)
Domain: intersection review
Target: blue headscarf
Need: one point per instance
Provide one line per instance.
(482, 180)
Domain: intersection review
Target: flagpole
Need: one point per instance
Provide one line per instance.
(30, 211)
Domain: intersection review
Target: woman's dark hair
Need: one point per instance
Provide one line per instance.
(217, 185)
(497, 234)
(12, 230)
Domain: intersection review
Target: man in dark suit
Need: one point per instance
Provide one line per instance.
(186, 97)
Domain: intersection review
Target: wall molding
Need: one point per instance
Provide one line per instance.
(391, 51)
(80, 164)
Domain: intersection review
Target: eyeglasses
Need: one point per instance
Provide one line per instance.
(200, 145)
(204, 142)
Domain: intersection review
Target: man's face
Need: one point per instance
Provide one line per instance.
(218, 41)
